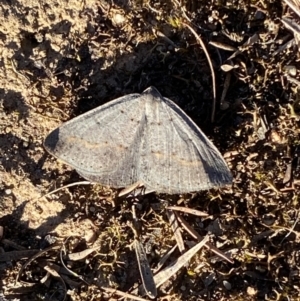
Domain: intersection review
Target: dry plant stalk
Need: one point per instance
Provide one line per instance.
(211, 69)
(173, 268)
(144, 267)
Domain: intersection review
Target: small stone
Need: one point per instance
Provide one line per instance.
(227, 284)
(290, 69)
(118, 19)
(8, 191)
(251, 291)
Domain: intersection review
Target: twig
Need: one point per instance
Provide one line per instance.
(291, 230)
(122, 294)
(144, 267)
(211, 69)
(66, 186)
(188, 210)
(35, 256)
(174, 267)
(176, 230)
(293, 7)
(196, 235)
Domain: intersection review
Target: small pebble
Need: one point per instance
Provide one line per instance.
(290, 69)
(7, 191)
(118, 19)
(227, 285)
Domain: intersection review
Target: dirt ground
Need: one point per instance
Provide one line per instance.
(60, 59)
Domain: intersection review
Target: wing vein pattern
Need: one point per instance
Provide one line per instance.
(140, 137)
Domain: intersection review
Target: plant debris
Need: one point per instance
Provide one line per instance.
(59, 61)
